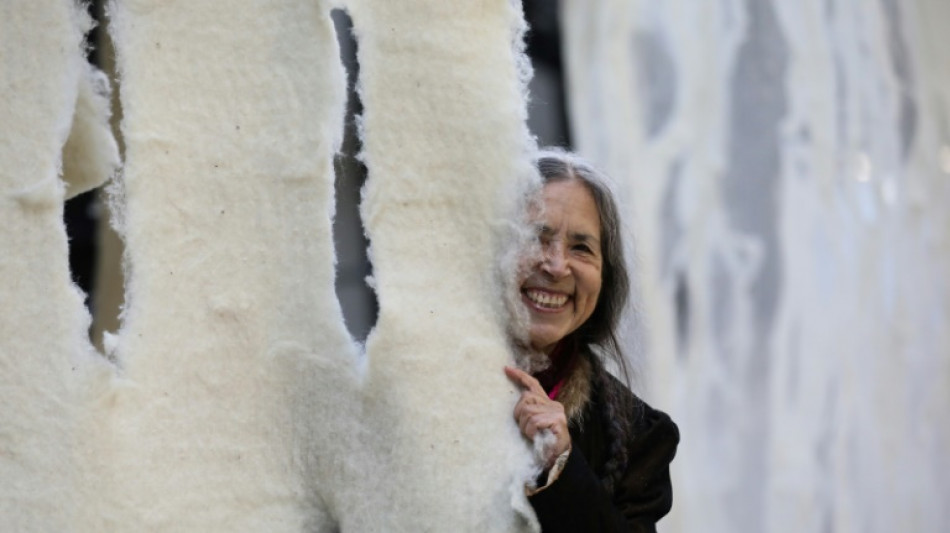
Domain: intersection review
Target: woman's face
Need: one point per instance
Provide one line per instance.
(561, 289)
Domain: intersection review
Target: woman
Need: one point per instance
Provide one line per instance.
(605, 462)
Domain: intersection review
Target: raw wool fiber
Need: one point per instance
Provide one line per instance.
(90, 154)
(232, 114)
(447, 153)
(47, 367)
(238, 402)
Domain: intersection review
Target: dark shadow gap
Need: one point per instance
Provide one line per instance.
(357, 300)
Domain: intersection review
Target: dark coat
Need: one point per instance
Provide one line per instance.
(578, 501)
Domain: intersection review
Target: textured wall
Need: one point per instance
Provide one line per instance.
(787, 169)
(232, 397)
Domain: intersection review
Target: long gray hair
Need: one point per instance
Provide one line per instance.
(600, 331)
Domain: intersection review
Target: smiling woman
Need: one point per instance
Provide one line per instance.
(561, 292)
(604, 454)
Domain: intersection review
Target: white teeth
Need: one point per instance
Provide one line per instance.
(545, 299)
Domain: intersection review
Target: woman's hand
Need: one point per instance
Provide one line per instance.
(535, 412)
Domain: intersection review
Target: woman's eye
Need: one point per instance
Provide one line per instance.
(583, 248)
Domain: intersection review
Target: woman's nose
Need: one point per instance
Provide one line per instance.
(554, 262)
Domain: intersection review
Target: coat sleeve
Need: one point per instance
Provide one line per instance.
(577, 501)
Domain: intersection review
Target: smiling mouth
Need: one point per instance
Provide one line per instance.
(545, 299)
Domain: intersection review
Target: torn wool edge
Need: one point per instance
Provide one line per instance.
(231, 116)
(49, 370)
(454, 178)
(90, 154)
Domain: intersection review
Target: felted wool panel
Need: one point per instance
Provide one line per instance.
(244, 404)
(447, 154)
(237, 401)
(90, 154)
(232, 113)
(47, 367)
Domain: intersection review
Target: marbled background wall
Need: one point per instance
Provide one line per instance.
(787, 172)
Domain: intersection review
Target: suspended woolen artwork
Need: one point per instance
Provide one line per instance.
(232, 398)
(788, 168)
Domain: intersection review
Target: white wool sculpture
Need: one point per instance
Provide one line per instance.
(48, 372)
(237, 400)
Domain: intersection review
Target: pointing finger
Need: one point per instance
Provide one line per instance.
(522, 378)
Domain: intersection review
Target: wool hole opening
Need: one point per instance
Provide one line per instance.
(357, 300)
(95, 250)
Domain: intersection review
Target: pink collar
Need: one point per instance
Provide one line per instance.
(556, 388)
(562, 365)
